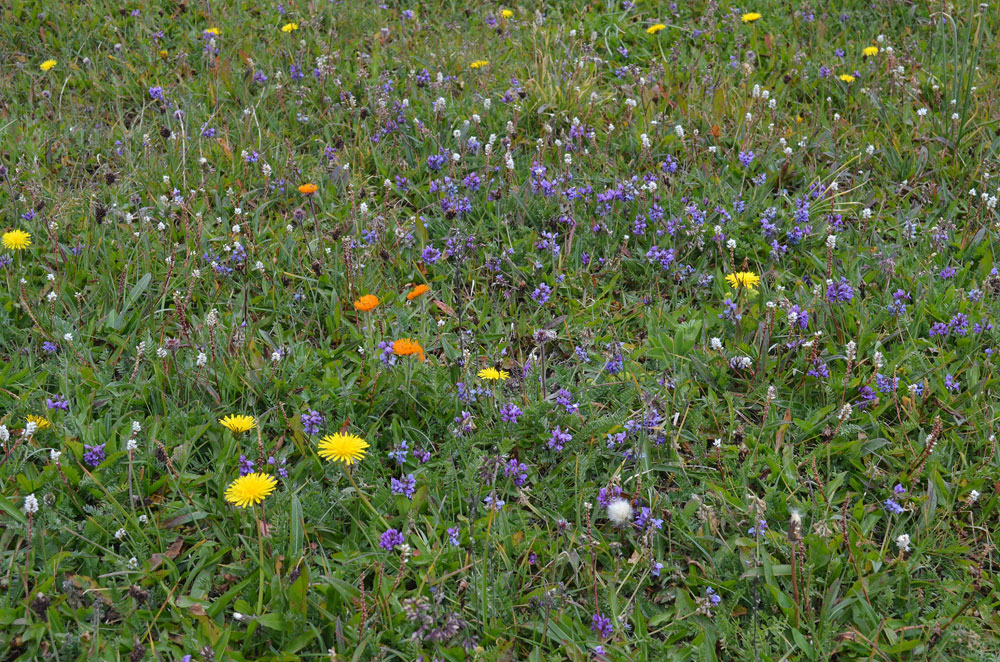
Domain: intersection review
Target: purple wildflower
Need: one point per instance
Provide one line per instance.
(94, 455)
(390, 539)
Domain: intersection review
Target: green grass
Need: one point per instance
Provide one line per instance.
(140, 302)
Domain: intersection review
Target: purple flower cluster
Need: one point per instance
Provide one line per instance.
(841, 292)
(559, 439)
(312, 421)
(516, 471)
(406, 485)
(245, 465)
(509, 412)
(390, 539)
(94, 455)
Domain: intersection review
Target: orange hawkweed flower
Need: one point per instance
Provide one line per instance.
(307, 189)
(417, 291)
(366, 303)
(406, 347)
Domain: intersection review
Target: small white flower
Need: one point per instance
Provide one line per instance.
(143, 519)
(845, 413)
(679, 130)
(620, 512)
(4, 433)
(903, 542)
(30, 504)
(236, 229)
(68, 337)
(133, 563)
(131, 446)
(161, 352)
(715, 344)
(201, 360)
(870, 150)
(136, 427)
(29, 428)
(120, 534)
(54, 455)
(238, 616)
(973, 496)
(275, 356)
(831, 241)
(731, 244)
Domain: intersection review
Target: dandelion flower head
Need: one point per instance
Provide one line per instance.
(16, 240)
(340, 447)
(48, 64)
(40, 422)
(250, 489)
(492, 374)
(479, 64)
(307, 189)
(238, 423)
(847, 78)
(653, 29)
(746, 279)
(750, 17)
(289, 27)
(870, 51)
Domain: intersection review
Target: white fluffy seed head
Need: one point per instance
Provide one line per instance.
(620, 512)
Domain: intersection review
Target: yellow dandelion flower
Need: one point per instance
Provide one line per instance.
(746, 279)
(750, 17)
(479, 64)
(238, 423)
(653, 29)
(250, 490)
(16, 240)
(40, 422)
(215, 31)
(506, 13)
(48, 64)
(847, 78)
(289, 27)
(492, 374)
(307, 189)
(870, 51)
(163, 54)
(340, 447)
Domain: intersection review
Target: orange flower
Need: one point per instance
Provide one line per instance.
(406, 347)
(417, 291)
(366, 303)
(307, 189)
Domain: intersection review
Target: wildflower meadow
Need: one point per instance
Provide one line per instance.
(586, 330)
